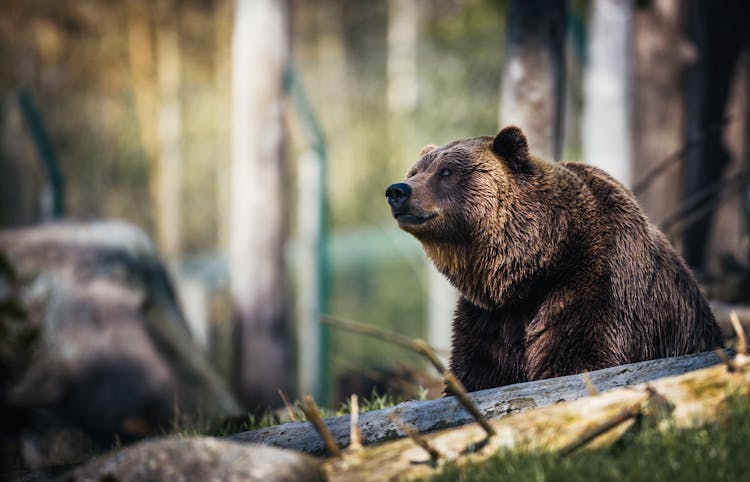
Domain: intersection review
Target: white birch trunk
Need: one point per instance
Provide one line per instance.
(606, 113)
(533, 94)
(403, 28)
(259, 58)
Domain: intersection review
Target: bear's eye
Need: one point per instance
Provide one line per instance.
(445, 172)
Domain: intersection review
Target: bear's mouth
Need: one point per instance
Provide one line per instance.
(409, 219)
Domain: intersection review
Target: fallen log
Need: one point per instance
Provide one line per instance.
(431, 415)
(688, 400)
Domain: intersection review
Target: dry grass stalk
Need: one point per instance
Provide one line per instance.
(313, 415)
(590, 388)
(287, 405)
(741, 339)
(355, 433)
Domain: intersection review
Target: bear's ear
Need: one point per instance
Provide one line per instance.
(426, 149)
(510, 144)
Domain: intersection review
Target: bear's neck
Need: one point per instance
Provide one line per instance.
(473, 272)
(493, 272)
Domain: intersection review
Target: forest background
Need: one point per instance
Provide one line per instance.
(138, 103)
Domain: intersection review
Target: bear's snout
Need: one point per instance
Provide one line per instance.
(397, 194)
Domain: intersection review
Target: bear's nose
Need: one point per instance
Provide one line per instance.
(397, 194)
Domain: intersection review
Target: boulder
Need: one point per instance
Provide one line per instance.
(109, 351)
(198, 459)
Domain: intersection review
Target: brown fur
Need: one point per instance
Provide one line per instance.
(559, 270)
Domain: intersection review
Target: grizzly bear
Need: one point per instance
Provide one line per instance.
(558, 269)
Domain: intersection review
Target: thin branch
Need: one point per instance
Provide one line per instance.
(414, 434)
(460, 392)
(604, 427)
(687, 214)
(313, 415)
(289, 408)
(373, 331)
(677, 155)
(421, 347)
(653, 405)
(725, 359)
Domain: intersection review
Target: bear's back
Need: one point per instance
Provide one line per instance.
(650, 283)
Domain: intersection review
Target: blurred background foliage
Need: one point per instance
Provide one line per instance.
(384, 78)
(91, 65)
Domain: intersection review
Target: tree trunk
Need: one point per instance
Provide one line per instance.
(143, 72)
(258, 218)
(223, 17)
(432, 415)
(403, 29)
(533, 84)
(169, 170)
(606, 114)
(718, 31)
(659, 56)
(727, 242)
(21, 178)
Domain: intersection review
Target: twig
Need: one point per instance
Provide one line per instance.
(589, 435)
(421, 347)
(414, 434)
(707, 199)
(653, 405)
(458, 389)
(313, 415)
(741, 339)
(677, 155)
(656, 405)
(385, 335)
(725, 359)
(289, 408)
(355, 433)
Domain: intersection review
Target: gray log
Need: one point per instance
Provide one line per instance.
(432, 415)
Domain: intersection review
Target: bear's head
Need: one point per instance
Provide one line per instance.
(468, 203)
(453, 190)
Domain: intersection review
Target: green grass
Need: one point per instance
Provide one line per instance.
(188, 427)
(715, 452)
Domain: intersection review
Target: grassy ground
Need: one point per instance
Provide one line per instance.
(193, 428)
(717, 452)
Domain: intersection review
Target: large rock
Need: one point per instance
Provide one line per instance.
(110, 351)
(200, 459)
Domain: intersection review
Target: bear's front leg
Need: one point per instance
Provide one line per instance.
(573, 340)
(487, 347)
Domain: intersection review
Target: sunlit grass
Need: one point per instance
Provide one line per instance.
(717, 451)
